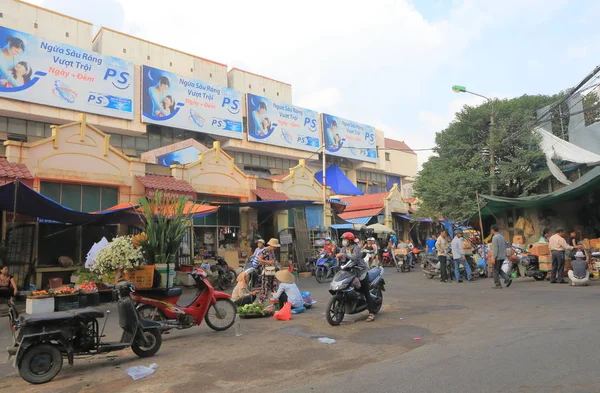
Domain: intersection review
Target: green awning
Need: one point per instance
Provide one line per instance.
(585, 184)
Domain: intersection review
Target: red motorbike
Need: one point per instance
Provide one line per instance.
(386, 258)
(216, 308)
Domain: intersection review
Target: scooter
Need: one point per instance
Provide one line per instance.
(529, 262)
(347, 298)
(216, 308)
(325, 268)
(402, 264)
(432, 267)
(42, 341)
(369, 257)
(413, 257)
(387, 258)
(226, 275)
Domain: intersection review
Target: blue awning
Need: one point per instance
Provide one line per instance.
(346, 226)
(18, 197)
(360, 220)
(337, 181)
(267, 206)
(406, 217)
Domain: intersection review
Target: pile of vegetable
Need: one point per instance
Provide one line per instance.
(253, 309)
(64, 290)
(88, 287)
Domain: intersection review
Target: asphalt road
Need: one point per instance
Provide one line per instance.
(531, 337)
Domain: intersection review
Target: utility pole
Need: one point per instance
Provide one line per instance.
(463, 89)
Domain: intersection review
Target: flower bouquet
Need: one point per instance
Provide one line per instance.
(118, 255)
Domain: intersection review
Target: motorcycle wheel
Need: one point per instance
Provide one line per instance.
(320, 275)
(230, 278)
(540, 276)
(40, 364)
(377, 292)
(221, 316)
(335, 310)
(143, 350)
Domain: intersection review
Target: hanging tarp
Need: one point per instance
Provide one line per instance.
(557, 148)
(586, 183)
(22, 199)
(337, 181)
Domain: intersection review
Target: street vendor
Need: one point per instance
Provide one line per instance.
(288, 290)
(241, 294)
(579, 273)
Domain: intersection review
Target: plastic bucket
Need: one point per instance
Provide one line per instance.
(166, 277)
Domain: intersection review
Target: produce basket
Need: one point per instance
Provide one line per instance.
(254, 310)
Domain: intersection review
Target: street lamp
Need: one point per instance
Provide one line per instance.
(463, 89)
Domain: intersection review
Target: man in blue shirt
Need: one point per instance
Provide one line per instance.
(430, 243)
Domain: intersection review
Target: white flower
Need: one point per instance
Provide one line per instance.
(120, 254)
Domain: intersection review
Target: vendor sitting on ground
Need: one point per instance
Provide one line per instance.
(579, 275)
(241, 294)
(288, 290)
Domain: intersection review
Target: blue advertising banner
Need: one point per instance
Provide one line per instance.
(345, 138)
(183, 156)
(280, 124)
(40, 71)
(176, 101)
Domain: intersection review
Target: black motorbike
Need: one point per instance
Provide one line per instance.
(226, 275)
(347, 298)
(41, 341)
(530, 263)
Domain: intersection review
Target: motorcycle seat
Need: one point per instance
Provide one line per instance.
(33, 319)
(160, 292)
(88, 313)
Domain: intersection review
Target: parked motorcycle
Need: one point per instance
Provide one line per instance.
(41, 341)
(432, 267)
(347, 298)
(226, 275)
(530, 263)
(216, 308)
(325, 268)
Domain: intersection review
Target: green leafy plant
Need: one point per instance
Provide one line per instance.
(86, 275)
(166, 219)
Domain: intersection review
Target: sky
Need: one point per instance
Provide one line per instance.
(386, 63)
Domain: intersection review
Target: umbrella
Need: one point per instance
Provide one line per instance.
(379, 228)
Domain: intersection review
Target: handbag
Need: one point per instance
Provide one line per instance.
(269, 270)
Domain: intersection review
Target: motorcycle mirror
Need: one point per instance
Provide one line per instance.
(107, 312)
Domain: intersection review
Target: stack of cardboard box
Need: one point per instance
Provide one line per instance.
(542, 251)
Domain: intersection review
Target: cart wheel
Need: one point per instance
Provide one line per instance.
(40, 363)
(143, 349)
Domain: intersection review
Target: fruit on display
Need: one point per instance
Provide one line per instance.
(252, 309)
(40, 293)
(65, 290)
(88, 287)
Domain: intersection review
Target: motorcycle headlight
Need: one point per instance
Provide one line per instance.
(336, 286)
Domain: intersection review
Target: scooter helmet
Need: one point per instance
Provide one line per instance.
(348, 235)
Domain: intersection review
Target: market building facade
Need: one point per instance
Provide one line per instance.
(89, 153)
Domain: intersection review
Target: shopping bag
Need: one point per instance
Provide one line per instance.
(285, 314)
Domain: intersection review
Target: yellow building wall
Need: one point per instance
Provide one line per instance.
(80, 153)
(248, 82)
(138, 51)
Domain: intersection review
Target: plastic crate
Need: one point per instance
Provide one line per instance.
(142, 276)
(66, 302)
(89, 300)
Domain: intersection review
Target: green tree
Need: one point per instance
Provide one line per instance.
(591, 107)
(449, 180)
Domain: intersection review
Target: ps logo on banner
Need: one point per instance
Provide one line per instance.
(370, 137)
(120, 80)
(311, 124)
(232, 105)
